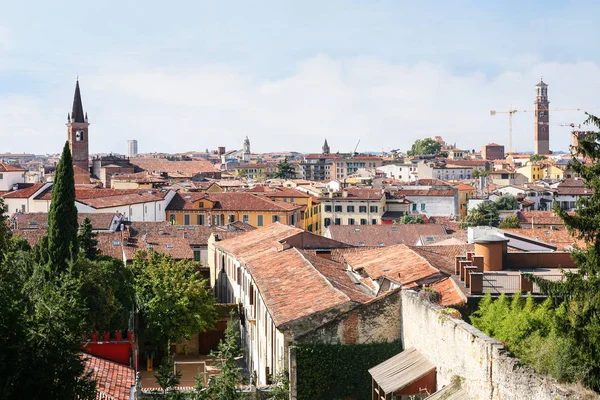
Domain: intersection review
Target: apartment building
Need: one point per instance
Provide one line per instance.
(353, 206)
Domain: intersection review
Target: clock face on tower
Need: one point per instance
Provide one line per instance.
(79, 135)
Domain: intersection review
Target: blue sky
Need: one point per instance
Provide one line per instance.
(190, 75)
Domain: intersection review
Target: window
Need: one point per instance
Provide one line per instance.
(201, 204)
(328, 208)
(350, 209)
(275, 218)
(504, 176)
(338, 208)
(172, 219)
(310, 228)
(316, 226)
(196, 254)
(231, 218)
(216, 219)
(338, 221)
(292, 219)
(362, 209)
(414, 207)
(327, 222)
(374, 221)
(186, 219)
(422, 206)
(200, 219)
(374, 208)
(364, 221)
(1, 176)
(245, 218)
(259, 220)
(351, 221)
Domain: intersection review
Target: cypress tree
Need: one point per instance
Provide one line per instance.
(62, 217)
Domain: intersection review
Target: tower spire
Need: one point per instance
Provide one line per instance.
(77, 114)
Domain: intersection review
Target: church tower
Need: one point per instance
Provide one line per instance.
(325, 148)
(541, 128)
(77, 131)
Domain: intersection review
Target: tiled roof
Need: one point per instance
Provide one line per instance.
(539, 218)
(293, 283)
(23, 221)
(425, 192)
(28, 190)
(10, 168)
(573, 186)
(112, 379)
(388, 235)
(359, 194)
(559, 237)
(121, 200)
(287, 192)
(164, 165)
(450, 251)
(230, 201)
(451, 294)
(468, 163)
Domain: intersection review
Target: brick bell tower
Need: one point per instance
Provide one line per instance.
(541, 127)
(77, 131)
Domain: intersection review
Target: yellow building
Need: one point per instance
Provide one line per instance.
(465, 192)
(534, 171)
(259, 172)
(311, 209)
(553, 172)
(218, 209)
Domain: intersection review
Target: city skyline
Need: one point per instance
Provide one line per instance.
(341, 71)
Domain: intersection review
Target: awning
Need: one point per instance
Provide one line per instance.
(401, 370)
(450, 392)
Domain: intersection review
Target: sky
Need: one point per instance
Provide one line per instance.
(190, 75)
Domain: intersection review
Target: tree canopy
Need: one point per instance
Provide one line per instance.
(427, 146)
(506, 202)
(512, 221)
(485, 214)
(285, 170)
(62, 216)
(172, 297)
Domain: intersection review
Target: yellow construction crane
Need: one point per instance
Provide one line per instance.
(513, 111)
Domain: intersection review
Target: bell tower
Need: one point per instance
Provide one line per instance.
(77, 132)
(541, 128)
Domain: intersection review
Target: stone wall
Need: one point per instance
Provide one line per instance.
(457, 348)
(374, 322)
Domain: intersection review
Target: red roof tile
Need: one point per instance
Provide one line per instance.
(229, 201)
(164, 165)
(10, 168)
(387, 235)
(112, 379)
(26, 192)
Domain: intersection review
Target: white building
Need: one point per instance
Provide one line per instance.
(428, 169)
(401, 172)
(432, 202)
(353, 206)
(132, 148)
(10, 175)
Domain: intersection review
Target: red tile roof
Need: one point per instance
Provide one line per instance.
(358, 194)
(26, 192)
(112, 379)
(10, 168)
(388, 235)
(427, 192)
(451, 294)
(164, 165)
(539, 218)
(230, 201)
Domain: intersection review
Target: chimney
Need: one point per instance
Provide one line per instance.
(345, 194)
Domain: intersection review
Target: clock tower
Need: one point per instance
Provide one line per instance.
(541, 127)
(77, 131)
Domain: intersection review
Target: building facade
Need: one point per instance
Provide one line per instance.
(354, 206)
(541, 127)
(132, 148)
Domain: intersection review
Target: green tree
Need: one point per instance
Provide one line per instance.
(5, 232)
(427, 146)
(512, 221)
(537, 157)
(87, 240)
(285, 170)
(506, 202)
(411, 219)
(172, 297)
(579, 292)
(62, 217)
(485, 214)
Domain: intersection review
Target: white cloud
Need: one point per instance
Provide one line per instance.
(384, 105)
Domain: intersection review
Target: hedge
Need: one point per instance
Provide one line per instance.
(338, 371)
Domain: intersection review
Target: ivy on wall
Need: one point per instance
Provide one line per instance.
(339, 371)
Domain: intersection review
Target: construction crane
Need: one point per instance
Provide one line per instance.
(514, 111)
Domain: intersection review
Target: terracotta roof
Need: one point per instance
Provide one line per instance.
(358, 194)
(164, 165)
(539, 218)
(39, 220)
(387, 235)
(449, 251)
(10, 168)
(287, 192)
(112, 379)
(451, 294)
(121, 200)
(428, 192)
(559, 237)
(293, 283)
(573, 187)
(27, 191)
(467, 163)
(230, 201)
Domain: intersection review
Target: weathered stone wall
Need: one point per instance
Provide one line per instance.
(457, 348)
(378, 321)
